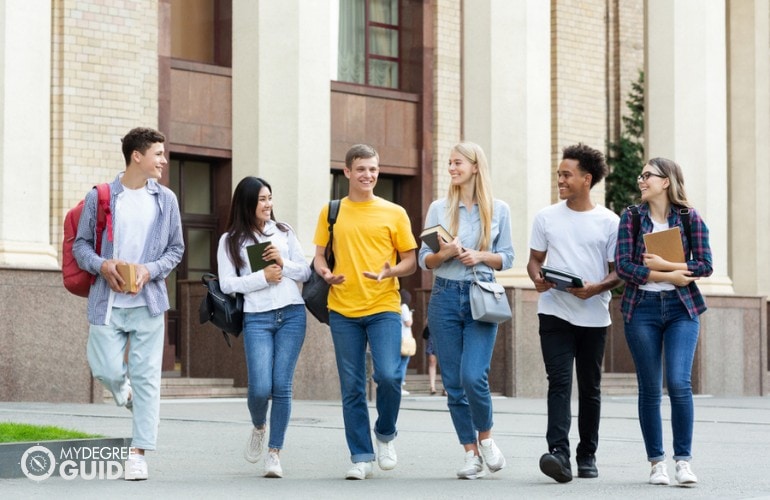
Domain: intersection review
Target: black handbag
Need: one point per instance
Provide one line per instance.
(315, 291)
(222, 309)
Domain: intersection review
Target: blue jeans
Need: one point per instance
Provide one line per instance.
(661, 326)
(402, 368)
(382, 331)
(564, 345)
(464, 349)
(272, 341)
(106, 354)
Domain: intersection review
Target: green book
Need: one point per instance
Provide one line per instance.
(255, 256)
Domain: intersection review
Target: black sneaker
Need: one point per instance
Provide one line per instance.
(556, 465)
(587, 466)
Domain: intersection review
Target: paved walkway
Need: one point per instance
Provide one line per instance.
(201, 442)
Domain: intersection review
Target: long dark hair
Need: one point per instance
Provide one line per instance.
(242, 222)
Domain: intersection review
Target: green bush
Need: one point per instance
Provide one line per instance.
(626, 156)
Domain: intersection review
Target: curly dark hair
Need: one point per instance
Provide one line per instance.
(589, 160)
(140, 139)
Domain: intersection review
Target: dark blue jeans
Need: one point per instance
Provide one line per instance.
(382, 332)
(661, 326)
(564, 344)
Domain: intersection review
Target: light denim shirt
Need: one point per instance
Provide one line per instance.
(469, 230)
(163, 251)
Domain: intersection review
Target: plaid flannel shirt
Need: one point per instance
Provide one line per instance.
(630, 267)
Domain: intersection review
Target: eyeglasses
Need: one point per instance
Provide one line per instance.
(645, 176)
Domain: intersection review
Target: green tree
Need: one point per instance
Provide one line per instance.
(626, 155)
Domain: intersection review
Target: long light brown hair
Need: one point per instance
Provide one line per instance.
(482, 193)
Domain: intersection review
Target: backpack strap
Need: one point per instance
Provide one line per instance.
(331, 218)
(103, 215)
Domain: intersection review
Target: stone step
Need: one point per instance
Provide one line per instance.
(175, 387)
(619, 384)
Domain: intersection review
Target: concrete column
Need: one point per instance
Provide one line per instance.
(506, 107)
(686, 104)
(25, 137)
(281, 105)
(749, 151)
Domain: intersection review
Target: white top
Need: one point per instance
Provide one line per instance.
(131, 233)
(657, 286)
(582, 243)
(406, 317)
(258, 294)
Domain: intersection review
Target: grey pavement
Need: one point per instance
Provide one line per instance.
(201, 442)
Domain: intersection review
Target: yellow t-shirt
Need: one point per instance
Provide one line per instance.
(366, 235)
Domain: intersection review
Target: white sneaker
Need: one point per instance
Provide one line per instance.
(253, 450)
(659, 474)
(129, 397)
(473, 467)
(273, 465)
(493, 457)
(386, 455)
(136, 468)
(683, 473)
(360, 470)
(404, 392)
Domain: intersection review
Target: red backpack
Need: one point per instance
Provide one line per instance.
(77, 280)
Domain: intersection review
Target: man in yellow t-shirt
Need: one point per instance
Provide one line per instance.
(373, 246)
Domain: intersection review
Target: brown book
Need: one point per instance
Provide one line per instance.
(128, 273)
(666, 244)
(430, 236)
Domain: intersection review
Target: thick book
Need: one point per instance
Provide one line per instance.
(431, 234)
(666, 244)
(255, 256)
(562, 279)
(128, 273)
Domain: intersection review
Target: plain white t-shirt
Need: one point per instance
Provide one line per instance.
(582, 243)
(135, 211)
(657, 286)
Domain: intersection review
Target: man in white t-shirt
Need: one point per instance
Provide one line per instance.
(577, 236)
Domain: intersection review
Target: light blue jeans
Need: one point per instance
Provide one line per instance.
(350, 335)
(661, 327)
(106, 356)
(272, 341)
(464, 349)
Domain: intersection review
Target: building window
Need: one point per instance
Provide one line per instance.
(201, 31)
(368, 42)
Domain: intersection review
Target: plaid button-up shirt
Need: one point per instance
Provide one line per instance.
(630, 267)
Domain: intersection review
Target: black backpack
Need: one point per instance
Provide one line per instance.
(636, 221)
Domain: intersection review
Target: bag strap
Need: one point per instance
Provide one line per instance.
(636, 223)
(684, 214)
(103, 215)
(331, 218)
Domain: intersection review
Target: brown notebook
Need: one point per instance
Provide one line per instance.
(128, 273)
(666, 244)
(431, 234)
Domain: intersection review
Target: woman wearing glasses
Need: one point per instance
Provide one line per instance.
(661, 305)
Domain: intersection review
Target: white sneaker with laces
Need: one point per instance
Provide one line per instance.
(253, 450)
(493, 457)
(360, 470)
(386, 455)
(684, 475)
(659, 474)
(136, 468)
(273, 465)
(473, 467)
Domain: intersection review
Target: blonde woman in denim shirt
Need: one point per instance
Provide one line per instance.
(482, 229)
(661, 307)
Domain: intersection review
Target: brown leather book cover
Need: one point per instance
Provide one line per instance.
(666, 244)
(128, 273)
